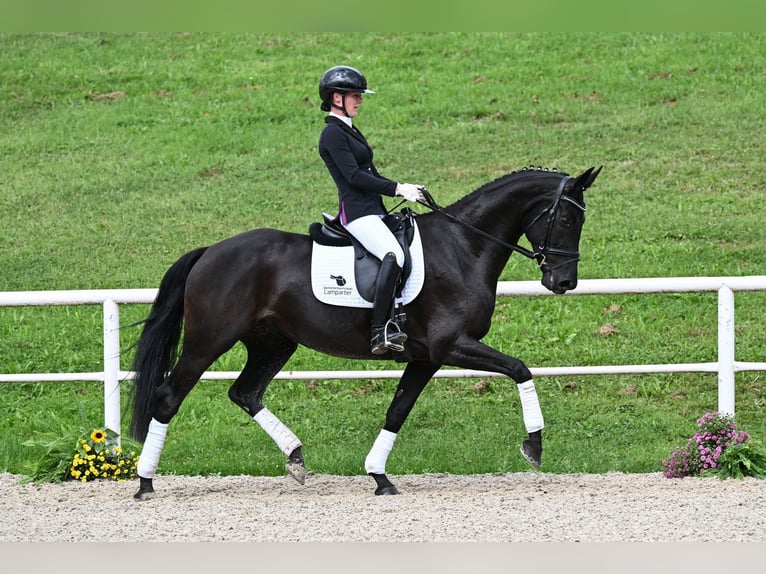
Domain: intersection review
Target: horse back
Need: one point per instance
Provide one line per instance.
(248, 266)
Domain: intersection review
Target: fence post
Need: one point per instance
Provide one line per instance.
(111, 365)
(726, 350)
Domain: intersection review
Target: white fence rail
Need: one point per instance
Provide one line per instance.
(726, 365)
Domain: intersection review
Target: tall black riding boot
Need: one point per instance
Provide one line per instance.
(386, 334)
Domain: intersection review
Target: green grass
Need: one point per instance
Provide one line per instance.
(120, 152)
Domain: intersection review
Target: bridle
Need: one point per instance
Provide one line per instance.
(542, 252)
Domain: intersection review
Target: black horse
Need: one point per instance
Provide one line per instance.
(255, 288)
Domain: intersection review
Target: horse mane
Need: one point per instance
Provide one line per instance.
(504, 180)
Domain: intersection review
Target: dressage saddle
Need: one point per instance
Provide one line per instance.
(331, 232)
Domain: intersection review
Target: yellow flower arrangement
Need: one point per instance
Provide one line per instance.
(101, 456)
(97, 455)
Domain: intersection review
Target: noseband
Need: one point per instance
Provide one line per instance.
(542, 252)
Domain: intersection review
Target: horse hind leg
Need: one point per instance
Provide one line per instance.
(415, 378)
(264, 360)
(168, 398)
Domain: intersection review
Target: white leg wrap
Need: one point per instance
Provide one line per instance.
(150, 454)
(280, 434)
(375, 463)
(530, 406)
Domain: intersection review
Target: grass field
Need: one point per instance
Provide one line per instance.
(120, 152)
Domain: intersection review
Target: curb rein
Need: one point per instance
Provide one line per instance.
(544, 250)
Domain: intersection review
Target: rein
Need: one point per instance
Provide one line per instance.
(543, 251)
(431, 204)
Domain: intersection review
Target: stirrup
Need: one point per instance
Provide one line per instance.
(393, 341)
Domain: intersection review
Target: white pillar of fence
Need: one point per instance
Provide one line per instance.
(726, 366)
(112, 365)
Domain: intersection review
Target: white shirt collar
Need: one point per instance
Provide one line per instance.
(345, 119)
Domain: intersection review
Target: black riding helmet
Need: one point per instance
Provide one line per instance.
(340, 79)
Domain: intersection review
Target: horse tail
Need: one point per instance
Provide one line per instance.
(157, 347)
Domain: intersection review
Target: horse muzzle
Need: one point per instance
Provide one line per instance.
(558, 286)
(559, 268)
(560, 280)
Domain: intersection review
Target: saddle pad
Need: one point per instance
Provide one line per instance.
(332, 275)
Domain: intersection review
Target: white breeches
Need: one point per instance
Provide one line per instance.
(373, 234)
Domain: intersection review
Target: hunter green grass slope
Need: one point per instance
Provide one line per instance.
(120, 152)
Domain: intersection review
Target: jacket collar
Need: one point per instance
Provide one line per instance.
(330, 119)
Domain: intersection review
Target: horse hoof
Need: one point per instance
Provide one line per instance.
(297, 471)
(145, 490)
(141, 495)
(384, 490)
(531, 453)
(384, 485)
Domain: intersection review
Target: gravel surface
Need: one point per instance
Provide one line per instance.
(514, 507)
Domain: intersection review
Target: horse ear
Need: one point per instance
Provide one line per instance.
(586, 179)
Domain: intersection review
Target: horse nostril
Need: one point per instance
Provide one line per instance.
(568, 285)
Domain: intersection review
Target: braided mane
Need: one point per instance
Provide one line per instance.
(503, 179)
(523, 171)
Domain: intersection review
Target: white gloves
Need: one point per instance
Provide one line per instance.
(409, 192)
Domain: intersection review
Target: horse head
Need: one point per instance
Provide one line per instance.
(555, 231)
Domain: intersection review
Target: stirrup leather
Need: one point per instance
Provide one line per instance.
(392, 340)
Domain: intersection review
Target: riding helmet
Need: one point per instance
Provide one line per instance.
(341, 79)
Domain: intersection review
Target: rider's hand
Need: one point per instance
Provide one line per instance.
(410, 192)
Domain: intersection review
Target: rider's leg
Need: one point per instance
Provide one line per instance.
(376, 238)
(386, 336)
(373, 234)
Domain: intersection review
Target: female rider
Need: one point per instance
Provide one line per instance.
(348, 158)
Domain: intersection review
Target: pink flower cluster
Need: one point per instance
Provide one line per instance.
(701, 452)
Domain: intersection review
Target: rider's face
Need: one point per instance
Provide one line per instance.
(353, 101)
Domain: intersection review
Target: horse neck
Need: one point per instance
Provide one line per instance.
(499, 208)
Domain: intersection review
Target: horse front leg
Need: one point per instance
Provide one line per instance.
(416, 376)
(472, 354)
